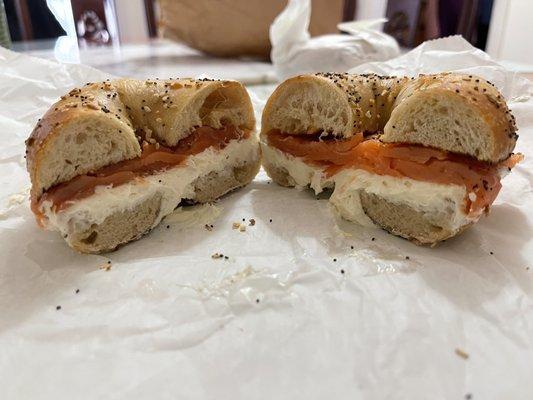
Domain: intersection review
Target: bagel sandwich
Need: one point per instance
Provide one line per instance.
(419, 157)
(108, 161)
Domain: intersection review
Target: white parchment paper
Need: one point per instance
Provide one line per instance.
(305, 307)
(295, 52)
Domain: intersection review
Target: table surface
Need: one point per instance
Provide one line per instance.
(155, 58)
(163, 58)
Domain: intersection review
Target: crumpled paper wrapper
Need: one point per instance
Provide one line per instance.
(303, 307)
(295, 52)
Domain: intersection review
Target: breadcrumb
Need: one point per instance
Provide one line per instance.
(461, 353)
(106, 267)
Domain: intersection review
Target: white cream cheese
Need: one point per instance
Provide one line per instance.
(173, 184)
(421, 196)
(426, 197)
(302, 174)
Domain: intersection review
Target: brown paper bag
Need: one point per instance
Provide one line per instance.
(236, 27)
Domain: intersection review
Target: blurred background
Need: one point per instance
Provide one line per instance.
(181, 37)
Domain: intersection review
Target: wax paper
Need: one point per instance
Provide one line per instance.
(305, 306)
(295, 52)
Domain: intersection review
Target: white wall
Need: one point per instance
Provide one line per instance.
(131, 21)
(511, 31)
(370, 9)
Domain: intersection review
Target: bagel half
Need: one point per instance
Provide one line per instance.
(108, 161)
(420, 157)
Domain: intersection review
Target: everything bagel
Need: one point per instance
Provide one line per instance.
(420, 157)
(108, 161)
